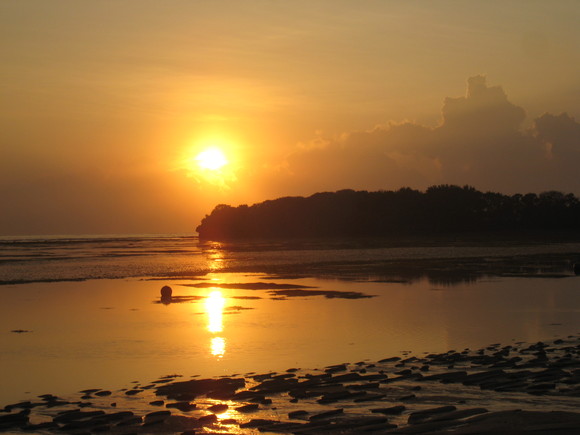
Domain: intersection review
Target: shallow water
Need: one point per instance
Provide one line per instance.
(37, 259)
(106, 333)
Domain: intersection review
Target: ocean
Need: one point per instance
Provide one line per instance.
(77, 258)
(85, 312)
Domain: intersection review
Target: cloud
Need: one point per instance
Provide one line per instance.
(560, 132)
(479, 141)
(482, 107)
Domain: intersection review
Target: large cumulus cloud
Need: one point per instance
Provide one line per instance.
(479, 141)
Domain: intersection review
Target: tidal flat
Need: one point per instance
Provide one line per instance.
(327, 342)
(467, 392)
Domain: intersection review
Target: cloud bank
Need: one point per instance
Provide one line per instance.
(479, 141)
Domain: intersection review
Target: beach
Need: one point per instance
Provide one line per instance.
(279, 338)
(521, 388)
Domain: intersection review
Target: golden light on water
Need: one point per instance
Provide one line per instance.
(218, 346)
(216, 258)
(214, 305)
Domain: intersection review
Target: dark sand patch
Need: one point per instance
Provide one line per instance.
(248, 286)
(282, 291)
(237, 308)
(330, 294)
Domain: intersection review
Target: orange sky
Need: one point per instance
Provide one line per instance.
(104, 105)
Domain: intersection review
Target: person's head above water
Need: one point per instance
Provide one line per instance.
(166, 293)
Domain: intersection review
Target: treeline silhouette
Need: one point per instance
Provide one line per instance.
(348, 213)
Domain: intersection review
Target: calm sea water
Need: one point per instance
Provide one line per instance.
(89, 312)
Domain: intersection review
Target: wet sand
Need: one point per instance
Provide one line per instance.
(522, 388)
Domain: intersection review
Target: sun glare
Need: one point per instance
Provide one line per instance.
(212, 159)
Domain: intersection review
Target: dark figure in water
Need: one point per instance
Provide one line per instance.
(166, 293)
(577, 269)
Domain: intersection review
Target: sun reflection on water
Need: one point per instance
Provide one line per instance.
(218, 346)
(216, 258)
(214, 305)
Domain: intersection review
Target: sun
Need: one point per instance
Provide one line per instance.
(212, 162)
(211, 159)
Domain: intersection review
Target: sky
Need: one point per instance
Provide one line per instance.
(106, 105)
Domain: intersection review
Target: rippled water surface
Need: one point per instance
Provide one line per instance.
(31, 259)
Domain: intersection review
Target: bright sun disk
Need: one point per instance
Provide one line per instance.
(211, 158)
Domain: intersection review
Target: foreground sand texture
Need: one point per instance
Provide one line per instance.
(521, 388)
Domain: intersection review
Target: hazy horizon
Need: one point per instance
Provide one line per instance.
(107, 106)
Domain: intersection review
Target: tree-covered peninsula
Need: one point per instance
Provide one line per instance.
(347, 213)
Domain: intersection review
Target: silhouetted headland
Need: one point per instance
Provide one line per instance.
(439, 210)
